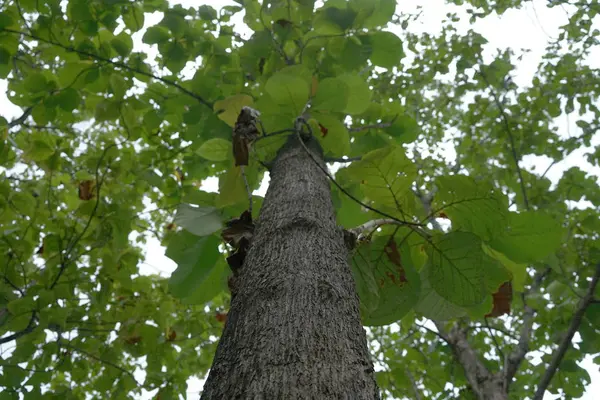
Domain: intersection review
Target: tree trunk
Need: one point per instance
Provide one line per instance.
(294, 329)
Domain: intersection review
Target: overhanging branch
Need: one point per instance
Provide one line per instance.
(515, 358)
(566, 341)
(115, 63)
(511, 139)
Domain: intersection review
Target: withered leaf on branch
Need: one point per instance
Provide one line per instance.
(86, 190)
(238, 233)
(238, 229)
(245, 132)
(502, 299)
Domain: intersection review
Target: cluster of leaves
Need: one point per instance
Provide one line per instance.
(113, 146)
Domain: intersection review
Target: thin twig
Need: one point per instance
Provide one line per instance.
(514, 359)
(342, 160)
(496, 344)
(29, 328)
(22, 118)
(379, 125)
(566, 341)
(94, 357)
(510, 138)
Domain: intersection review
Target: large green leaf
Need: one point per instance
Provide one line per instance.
(471, 206)
(432, 305)
(332, 95)
(457, 266)
(359, 94)
(387, 280)
(288, 91)
(216, 149)
(529, 237)
(332, 134)
(196, 258)
(386, 176)
(387, 49)
(200, 221)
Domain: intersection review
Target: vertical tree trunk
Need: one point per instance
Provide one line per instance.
(294, 328)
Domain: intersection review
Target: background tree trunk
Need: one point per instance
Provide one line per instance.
(294, 328)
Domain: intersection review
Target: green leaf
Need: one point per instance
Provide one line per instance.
(359, 94)
(432, 305)
(200, 221)
(332, 134)
(68, 99)
(156, 35)
(457, 264)
(134, 17)
(382, 14)
(386, 176)
(107, 110)
(21, 305)
(118, 85)
(40, 148)
(288, 91)
(383, 267)
(344, 18)
(473, 206)
(196, 257)
(387, 49)
(211, 286)
(517, 271)
(216, 149)
(6, 20)
(529, 237)
(35, 82)
(332, 95)
(123, 44)
(231, 107)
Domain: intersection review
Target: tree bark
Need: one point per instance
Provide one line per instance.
(294, 329)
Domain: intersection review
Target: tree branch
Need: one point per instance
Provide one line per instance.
(380, 125)
(342, 160)
(510, 138)
(29, 328)
(115, 63)
(514, 359)
(566, 341)
(21, 119)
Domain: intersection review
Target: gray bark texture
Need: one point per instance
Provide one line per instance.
(294, 329)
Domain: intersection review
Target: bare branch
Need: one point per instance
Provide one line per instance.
(566, 341)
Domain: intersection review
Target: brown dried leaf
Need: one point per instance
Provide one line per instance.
(502, 299)
(86, 190)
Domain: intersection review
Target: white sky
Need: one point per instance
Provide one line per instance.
(529, 28)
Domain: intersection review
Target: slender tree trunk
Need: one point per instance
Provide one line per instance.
(294, 328)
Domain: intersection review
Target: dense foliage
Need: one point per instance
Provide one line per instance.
(113, 145)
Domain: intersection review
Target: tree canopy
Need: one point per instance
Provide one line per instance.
(457, 237)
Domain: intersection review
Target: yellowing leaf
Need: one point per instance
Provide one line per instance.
(231, 107)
